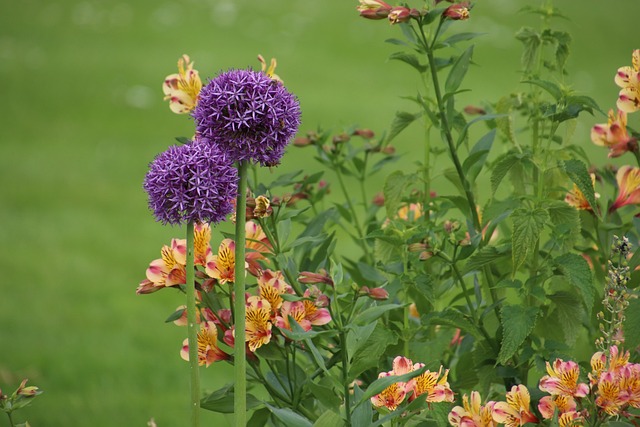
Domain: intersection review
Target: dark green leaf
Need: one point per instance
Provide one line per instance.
(576, 269)
(478, 156)
(568, 314)
(176, 315)
(325, 395)
(369, 353)
(532, 41)
(485, 256)
(183, 139)
(410, 59)
(502, 167)
(373, 313)
(456, 319)
(631, 326)
(400, 122)
(285, 180)
(550, 87)
(361, 414)
(517, 323)
(578, 173)
(289, 418)
(527, 226)
(222, 400)
(459, 37)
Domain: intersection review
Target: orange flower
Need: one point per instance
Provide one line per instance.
(437, 390)
(257, 246)
(548, 405)
(222, 266)
(258, 329)
(169, 269)
(628, 187)
(391, 396)
(208, 350)
(271, 286)
(515, 411)
(201, 243)
(297, 311)
(576, 198)
(182, 89)
(562, 379)
(628, 78)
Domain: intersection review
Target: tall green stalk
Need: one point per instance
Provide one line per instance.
(192, 329)
(240, 360)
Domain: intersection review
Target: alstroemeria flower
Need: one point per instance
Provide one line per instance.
(457, 12)
(399, 14)
(628, 179)
(472, 413)
(562, 379)
(182, 89)
(391, 396)
(576, 198)
(257, 246)
(222, 266)
(433, 383)
(614, 135)
(571, 419)
(169, 270)
(314, 311)
(271, 286)
(609, 393)
(374, 9)
(297, 311)
(515, 411)
(628, 78)
(258, 329)
(270, 72)
(201, 243)
(208, 350)
(309, 277)
(548, 404)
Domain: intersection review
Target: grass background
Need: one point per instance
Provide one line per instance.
(82, 115)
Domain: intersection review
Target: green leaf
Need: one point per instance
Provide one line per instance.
(175, 315)
(357, 336)
(550, 87)
(374, 313)
(285, 180)
(393, 190)
(289, 418)
(631, 325)
(568, 314)
(329, 419)
(576, 269)
(410, 59)
(478, 156)
(517, 323)
(400, 123)
(183, 139)
(501, 167)
(260, 417)
(532, 41)
(578, 173)
(327, 396)
(370, 352)
(222, 400)
(458, 71)
(566, 221)
(485, 256)
(459, 37)
(527, 226)
(362, 414)
(456, 319)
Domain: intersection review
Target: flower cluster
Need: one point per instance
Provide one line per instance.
(215, 272)
(433, 386)
(378, 9)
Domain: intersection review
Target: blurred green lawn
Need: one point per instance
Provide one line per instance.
(82, 116)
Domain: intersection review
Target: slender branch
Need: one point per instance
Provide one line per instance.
(240, 360)
(192, 329)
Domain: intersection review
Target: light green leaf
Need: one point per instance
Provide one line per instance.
(486, 255)
(400, 123)
(517, 323)
(458, 71)
(502, 166)
(329, 419)
(289, 418)
(568, 314)
(456, 319)
(576, 269)
(527, 226)
(550, 87)
(532, 41)
(369, 353)
(478, 156)
(393, 190)
(410, 59)
(222, 400)
(373, 313)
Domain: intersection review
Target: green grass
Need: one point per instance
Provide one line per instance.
(82, 115)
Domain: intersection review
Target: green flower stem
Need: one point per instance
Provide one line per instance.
(361, 241)
(10, 419)
(192, 329)
(240, 360)
(345, 376)
(446, 129)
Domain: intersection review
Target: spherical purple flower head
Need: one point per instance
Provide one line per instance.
(191, 182)
(249, 115)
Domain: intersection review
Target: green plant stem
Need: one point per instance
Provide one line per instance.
(354, 214)
(192, 329)
(446, 129)
(240, 360)
(10, 419)
(345, 376)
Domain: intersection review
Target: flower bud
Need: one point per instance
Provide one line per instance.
(457, 12)
(378, 199)
(379, 294)
(27, 391)
(473, 110)
(302, 141)
(308, 277)
(373, 9)
(263, 207)
(399, 14)
(364, 133)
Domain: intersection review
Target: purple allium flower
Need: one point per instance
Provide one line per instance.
(191, 182)
(249, 115)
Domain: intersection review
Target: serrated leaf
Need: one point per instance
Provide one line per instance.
(565, 217)
(631, 326)
(485, 256)
(393, 190)
(576, 269)
(532, 41)
(501, 168)
(579, 174)
(527, 226)
(288, 417)
(517, 323)
(400, 123)
(569, 314)
(458, 71)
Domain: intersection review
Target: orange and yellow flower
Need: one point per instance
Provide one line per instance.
(257, 246)
(271, 286)
(613, 134)
(515, 411)
(222, 266)
(258, 322)
(208, 350)
(433, 383)
(169, 269)
(628, 78)
(628, 179)
(295, 310)
(182, 89)
(201, 243)
(548, 405)
(472, 413)
(562, 379)
(391, 396)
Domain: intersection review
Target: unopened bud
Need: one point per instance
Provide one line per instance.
(399, 14)
(343, 137)
(457, 12)
(364, 133)
(472, 110)
(378, 199)
(302, 141)
(308, 277)
(389, 150)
